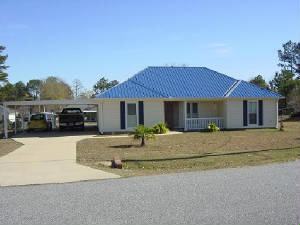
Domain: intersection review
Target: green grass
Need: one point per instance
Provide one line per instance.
(194, 150)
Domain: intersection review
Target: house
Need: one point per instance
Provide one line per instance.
(187, 98)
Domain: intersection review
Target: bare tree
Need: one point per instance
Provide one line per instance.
(77, 88)
(175, 65)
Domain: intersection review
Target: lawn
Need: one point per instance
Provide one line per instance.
(7, 146)
(194, 150)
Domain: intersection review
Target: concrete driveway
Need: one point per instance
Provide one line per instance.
(46, 159)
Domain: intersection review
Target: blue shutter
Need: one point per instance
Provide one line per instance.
(245, 113)
(260, 112)
(141, 112)
(122, 115)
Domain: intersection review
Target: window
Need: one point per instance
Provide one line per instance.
(195, 109)
(192, 110)
(188, 108)
(131, 115)
(252, 112)
(71, 111)
(37, 117)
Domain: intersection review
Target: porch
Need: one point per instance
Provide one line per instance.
(194, 115)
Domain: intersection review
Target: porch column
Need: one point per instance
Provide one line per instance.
(5, 120)
(185, 116)
(276, 114)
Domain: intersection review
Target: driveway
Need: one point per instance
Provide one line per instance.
(46, 159)
(251, 195)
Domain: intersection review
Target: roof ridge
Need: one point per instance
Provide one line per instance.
(164, 95)
(232, 88)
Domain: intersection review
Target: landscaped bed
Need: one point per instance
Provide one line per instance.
(193, 150)
(7, 146)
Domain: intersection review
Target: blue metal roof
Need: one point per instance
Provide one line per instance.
(248, 90)
(184, 82)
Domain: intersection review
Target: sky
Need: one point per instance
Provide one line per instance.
(88, 39)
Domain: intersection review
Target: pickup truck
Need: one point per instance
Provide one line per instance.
(71, 118)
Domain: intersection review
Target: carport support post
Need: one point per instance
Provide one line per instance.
(5, 121)
(100, 117)
(185, 116)
(22, 121)
(15, 128)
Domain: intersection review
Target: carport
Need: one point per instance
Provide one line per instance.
(44, 103)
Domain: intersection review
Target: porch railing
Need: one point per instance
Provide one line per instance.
(201, 123)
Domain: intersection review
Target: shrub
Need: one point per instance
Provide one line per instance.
(160, 128)
(212, 127)
(142, 132)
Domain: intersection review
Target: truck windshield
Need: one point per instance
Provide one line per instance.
(37, 117)
(71, 111)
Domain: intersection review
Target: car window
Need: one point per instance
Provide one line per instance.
(37, 117)
(71, 111)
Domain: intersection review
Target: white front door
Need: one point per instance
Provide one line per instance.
(131, 115)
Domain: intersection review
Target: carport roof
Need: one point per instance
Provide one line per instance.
(53, 102)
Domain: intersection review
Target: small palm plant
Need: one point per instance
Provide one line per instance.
(143, 133)
(160, 128)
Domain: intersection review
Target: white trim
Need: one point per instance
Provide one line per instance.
(182, 99)
(232, 88)
(55, 102)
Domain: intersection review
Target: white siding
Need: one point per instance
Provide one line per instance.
(153, 112)
(270, 113)
(208, 109)
(234, 114)
(111, 117)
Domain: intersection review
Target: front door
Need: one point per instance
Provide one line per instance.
(172, 114)
(131, 115)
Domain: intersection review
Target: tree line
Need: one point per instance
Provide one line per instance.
(286, 81)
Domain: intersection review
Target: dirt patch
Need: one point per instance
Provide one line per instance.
(7, 146)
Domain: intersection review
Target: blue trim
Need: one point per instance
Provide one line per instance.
(245, 113)
(260, 112)
(141, 112)
(122, 115)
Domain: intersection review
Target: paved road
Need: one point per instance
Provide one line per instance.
(255, 195)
